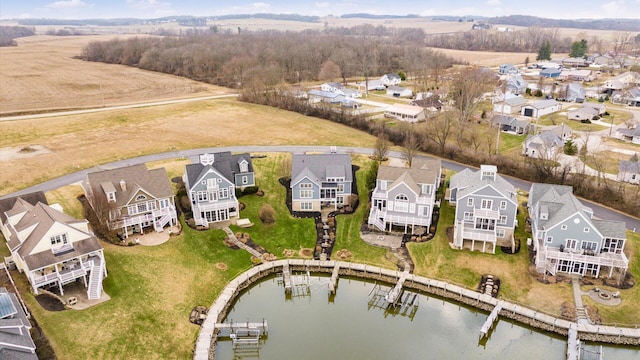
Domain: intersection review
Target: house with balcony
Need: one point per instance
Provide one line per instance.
(405, 197)
(52, 248)
(566, 237)
(131, 199)
(486, 208)
(211, 183)
(320, 181)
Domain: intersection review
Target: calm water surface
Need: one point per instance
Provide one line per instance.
(314, 328)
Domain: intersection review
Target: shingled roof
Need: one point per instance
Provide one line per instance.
(224, 163)
(127, 181)
(319, 167)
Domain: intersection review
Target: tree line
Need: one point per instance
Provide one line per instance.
(233, 60)
(8, 34)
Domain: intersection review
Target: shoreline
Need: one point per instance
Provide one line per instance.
(207, 338)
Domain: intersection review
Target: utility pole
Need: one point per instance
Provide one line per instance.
(611, 127)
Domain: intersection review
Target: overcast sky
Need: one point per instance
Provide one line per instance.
(91, 9)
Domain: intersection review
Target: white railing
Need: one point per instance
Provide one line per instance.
(486, 214)
(220, 204)
(478, 235)
(71, 275)
(606, 259)
(39, 280)
(132, 220)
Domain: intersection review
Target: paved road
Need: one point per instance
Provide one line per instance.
(600, 211)
(110, 108)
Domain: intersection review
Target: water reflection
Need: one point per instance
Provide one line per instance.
(345, 326)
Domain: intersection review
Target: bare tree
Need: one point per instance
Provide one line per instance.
(381, 148)
(438, 129)
(410, 146)
(622, 42)
(329, 71)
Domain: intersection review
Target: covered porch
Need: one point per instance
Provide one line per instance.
(66, 272)
(466, 236)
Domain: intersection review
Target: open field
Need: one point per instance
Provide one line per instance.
(41, 74)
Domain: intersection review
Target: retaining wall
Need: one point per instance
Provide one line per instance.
(206, 342)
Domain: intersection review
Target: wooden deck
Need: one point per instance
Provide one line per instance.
(484, 330)
(286, 277)
(393, 295)
(333, 282)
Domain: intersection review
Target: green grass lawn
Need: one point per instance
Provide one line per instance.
(510, 143)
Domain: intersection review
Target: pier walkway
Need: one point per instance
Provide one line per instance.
(333, 281)
(484, 330)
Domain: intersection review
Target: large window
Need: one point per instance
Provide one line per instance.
(60, 239)
(340, 188)
(470, 202)
(503, 205)
(571, 244)
(502, 220)
(613, 245)
(486, 204)
(468, 216)
(306, 194)
(485, 224)
(224, 193)
(589, 245)
(203, 196)
(401, 203)
(306, 206)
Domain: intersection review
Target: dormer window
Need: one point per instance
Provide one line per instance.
(141, 197)
(111, 197)
(59, 240)
(244, 166)
(426, 189)
(383, 185)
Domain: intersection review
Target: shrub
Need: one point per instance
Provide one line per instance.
(250, 190)
(267, 214)
(538, 93)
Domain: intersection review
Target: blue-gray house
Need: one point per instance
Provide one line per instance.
(320, 180)
(566, 237)
(550, 72)
(486, 208)
(211, 184)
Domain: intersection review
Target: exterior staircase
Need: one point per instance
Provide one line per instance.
(165, 219)
(94, 291)
(581, 316)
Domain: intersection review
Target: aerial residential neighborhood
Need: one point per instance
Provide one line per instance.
(162, 176)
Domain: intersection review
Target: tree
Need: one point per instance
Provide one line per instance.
(578, 49)
(545, 51)
(570, 148)
(438, 129)
(267, 214)
(410, 146)
(467, 88)
(381, 148)
(329, 71)
(372, 174)
(526, 62)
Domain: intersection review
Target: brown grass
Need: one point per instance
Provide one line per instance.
(41, 74)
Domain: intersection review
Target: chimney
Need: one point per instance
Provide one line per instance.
(123, 185)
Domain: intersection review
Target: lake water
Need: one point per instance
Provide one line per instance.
(315, 327)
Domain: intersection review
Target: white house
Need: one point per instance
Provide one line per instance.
(391, 79)
(405, 197)
(486, 208)
(52, 248)
(371, 85)
(511, 105)
(132, 198)
(404, 112)
(541, 108)
(334, 87)
(631, 135)
(211, 183)
(566, 237)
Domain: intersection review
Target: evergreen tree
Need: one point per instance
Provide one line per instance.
(578, 49)
(545, 51)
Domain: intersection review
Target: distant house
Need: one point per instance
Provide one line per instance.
(505, 69)
(574, 92)
(391, 79)
(334, 87)
(545, 145)
(211, 183)
(576, 75)
(516, 85)
(399, 91)
(430, 103)
(52, 248)
(316, 96)
(629, 171)
(620, 82)
(371, 85)
(405, 197)
(320, 180)
(404, 112)
(588, 111)
(351, 93)
(574, 62)
(566, 237)
(511, 105)
(486, 208)
(512, 124)
(541, 108)
(629, 97)
(631, 135)
(15, 337)
(550, 72)
(132, 198)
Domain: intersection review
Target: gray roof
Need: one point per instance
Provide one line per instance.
(548, 139)
(43, 217)
(31, 198)
(392, 76)
(15, 339)
(319, 167)
(510, 121)
(628, 166)
(630, 132)
(468, 181)
(154, 182)
(422, 171)
(224, 163)
(336, 85)
(542, 104)
(611, 229)
(515, 101)
(327, 94)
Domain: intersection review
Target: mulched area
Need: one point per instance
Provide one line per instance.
(49, 302)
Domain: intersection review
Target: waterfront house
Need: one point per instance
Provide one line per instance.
(566, 237)
(405, 197)
(320, 181)
(52, 248)
(15, 337)
(131, 199)
(486, 206)
(211, 182)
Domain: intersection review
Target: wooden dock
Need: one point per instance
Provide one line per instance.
(333, 282)
(573, 344)
(393, 295)
(244, 327)
(484, 330)
(286, 277)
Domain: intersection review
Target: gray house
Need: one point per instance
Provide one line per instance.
(566, 237)
(320, 180)
(629, 171)
(512, 124)
(575, 92)
(405, 196)
(211, 185)
(516, 84)
(507, 69)
(15, 338)
(486, 208)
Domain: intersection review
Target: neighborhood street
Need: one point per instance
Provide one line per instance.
(600, 211)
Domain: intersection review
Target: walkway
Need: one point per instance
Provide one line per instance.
(581, 313)
(240, 244)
